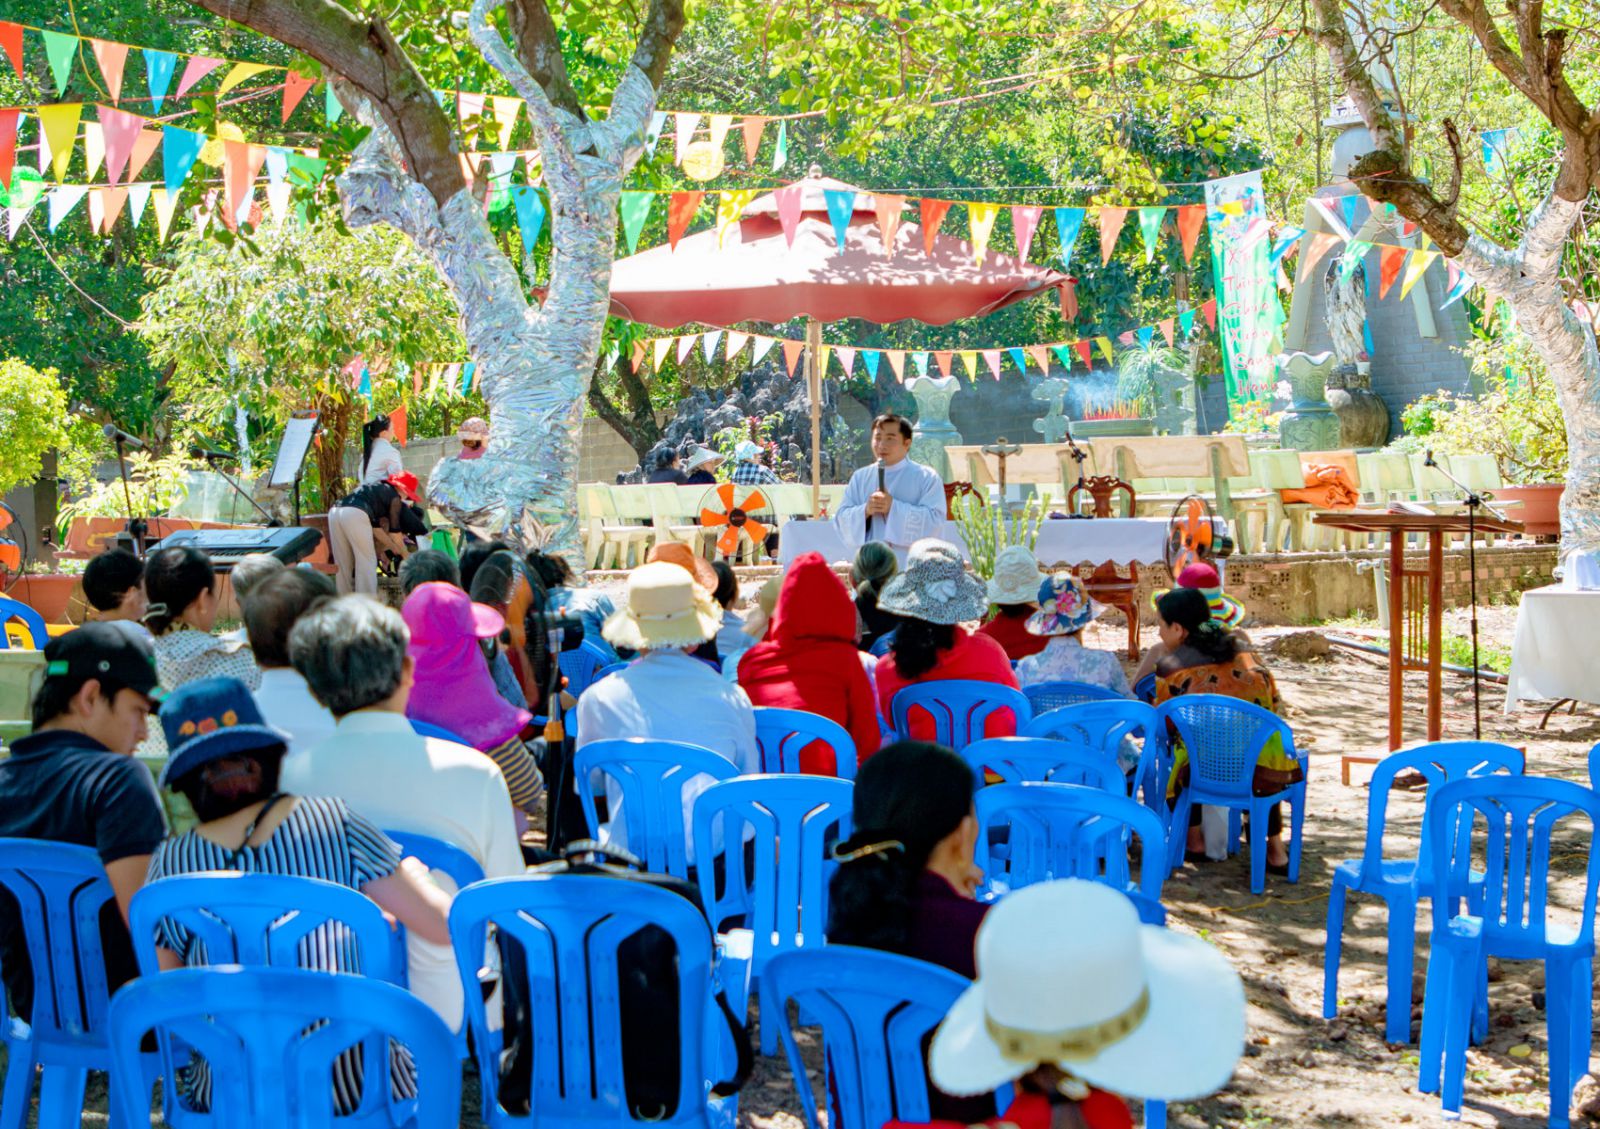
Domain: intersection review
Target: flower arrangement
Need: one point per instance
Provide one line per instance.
(988, 529)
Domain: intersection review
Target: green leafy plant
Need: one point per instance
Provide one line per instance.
(1253, 417)
(155, 486)
(988, 529)
(32, 408)
(1138, 368)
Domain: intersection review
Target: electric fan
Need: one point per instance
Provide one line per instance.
(1192, 535)
(740, 512)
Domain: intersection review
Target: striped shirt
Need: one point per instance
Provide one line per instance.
(320, 837)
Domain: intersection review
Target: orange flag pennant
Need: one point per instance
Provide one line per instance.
(942, 359)
(638, 355)
(115, 199)
(889, 209)
(1316, 247)
(1390, 259)
(791, 355)
(1166, 326)
(897, 362)
(1111, 221)
(1082, 349)
(680, 210)
(11, 43)
(111, 57)
(752, 127)
(144, 147)
(243, 165)
(1191, 218)
(1069, 300)
(932, 213)
(1041, 357)
(295, 87)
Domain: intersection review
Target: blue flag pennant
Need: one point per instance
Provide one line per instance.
(180, 148)
(158, 67)
(1146, 335)
(1069, 221)
(466, 376)
(870, 358)
(841, 203)
(1018, 357)
(530, 214)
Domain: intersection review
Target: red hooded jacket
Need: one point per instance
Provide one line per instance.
(809, 661)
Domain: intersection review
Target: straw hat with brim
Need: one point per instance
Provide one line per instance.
(1016, 576)
(760, 616)
(705, 456)
(213, 718)
(677, 553)
(665, 609)
(1068, 976)
(935, 586)
(475, 427)
(1064, 607)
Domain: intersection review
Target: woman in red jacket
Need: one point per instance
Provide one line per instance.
(808, 661)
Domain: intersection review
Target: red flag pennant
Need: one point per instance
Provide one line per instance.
(194, 70)
(1191, 217)
(1209, 312)
(1126, 337)
(397, 421)
(991, 357)
(1111, 221)
(1024, 222)
(752, 127)
(416, 383)
(680, 210)
(1041, 356)
(11, 42)
(897, 361)
(119, 129)
(111, 57)
(932, 213)
(788, 201)
(1082, 349)
(8, 144)
(1390, 260)
(942, 359)
(294, 89)
(791, 355)
(1166, 327)
(1069, 300)
(242, 165)
(889, 209)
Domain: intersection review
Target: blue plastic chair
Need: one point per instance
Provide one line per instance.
(1594, 766)
(426, 729)
(783, 899)
(582, 666)
(34, 623)
(267, 920)
(1019, 759)
(271, 1036)
(1520, 813)
(1145, 689)
(651, 779)
(570, 926)
(1045, 696)
(1107, 724)
(959, 708)
(1223, 737)
(783, 733)
(880, 645)
(1400, 882)
(607, 671)
(59, 889)
(874, 1009)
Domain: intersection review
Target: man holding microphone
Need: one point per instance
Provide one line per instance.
(895, 500)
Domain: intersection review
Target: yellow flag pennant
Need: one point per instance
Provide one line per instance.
(505, 116)
(165, 204)
(980, 224)
(1415, 269)
(969, 360)
(729, 205)
(243, 72)
(60, 125)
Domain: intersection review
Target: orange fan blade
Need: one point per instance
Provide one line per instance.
(757, 531)
(728, 542)
(709, 518)
(10, 556)
(6, 515)
(725, 492)
(755, 500)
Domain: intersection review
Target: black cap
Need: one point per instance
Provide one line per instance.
(107, 652)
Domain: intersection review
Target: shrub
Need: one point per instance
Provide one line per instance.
(33, 413)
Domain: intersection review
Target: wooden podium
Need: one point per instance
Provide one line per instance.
(1415, 596)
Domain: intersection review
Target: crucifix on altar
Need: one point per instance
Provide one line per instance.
(1002, 451)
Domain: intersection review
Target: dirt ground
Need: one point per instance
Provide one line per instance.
(1300, 1069)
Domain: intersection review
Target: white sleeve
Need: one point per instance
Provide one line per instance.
(850, 519)
(922, 516)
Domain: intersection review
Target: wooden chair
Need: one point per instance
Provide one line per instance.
(1103, 582)
(952, 491)
(1101, 488)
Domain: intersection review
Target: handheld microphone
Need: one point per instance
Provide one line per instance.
(212, 456)
(880, 475)
(1427, 458)
(114, 433)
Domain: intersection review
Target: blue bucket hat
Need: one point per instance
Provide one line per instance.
(211, 719)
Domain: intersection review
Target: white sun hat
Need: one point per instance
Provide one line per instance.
(1016, 576)
(666, 608)
(1068, 976)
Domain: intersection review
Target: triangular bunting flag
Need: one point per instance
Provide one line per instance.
(165, 204)
(1111, 221)
(789, 205)
(469, 108)
(1104, 345)
(736, 342)
(1018, 358)
(1041, 357)
(242, 72)
(932, 213)
(469, 376)
(847, 359)
(332, 108)
(60, 49)
(822, 361)
(980, 224)
(1063, 354)
(752, 128)
(841, 204)
(1069, 222)
(158, 68)
(761, 348)
(1186, 323)
(11, 44)
(780, 151)
(97, 209)
(451, 376)
(530, 214)
(1316, 248)
(719, 125)
(1126, 337)
(680, 210)
(683, 126)
(1082, 348)
(1287, 239)
(638, 356)
(888, 209)
(119, 131)
(1462, 283)
(506, 108)
(1069, 300)
(1415, 269)
(1147, 334)
(242, 163)
(1209, 310)
(60, 125)
(685, 344)
(1347, 209)
(1024, 222)
(710, 340)
(652, 133)
(277, 164)
(278, 201)
(659, 348)
(1354, 254)
(144, 147)
(1390, 260)
(295, 87)
(179, 150)
(791, 355)
(63, 198)
(94, 149)
(194, 70)
(920, 360)
(114, 199)
(897, 363)
(991, 357)
(1166, 327)
(941, 357)
(635, 209)
(111, 57)
(730, 205)
(871, 358)
(1150, 229)
(8, 144)
(969, 361)
(1191, 218)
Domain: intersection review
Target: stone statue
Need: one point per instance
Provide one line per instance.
(1053, 425)
(1363, 416)
(934, 431)
(1309, 424)
(1174, 401)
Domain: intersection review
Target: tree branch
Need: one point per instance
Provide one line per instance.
(539, 49)
(550, 122)
(368, 56)
(1478, 20)
(662, 24)
(1545, 236)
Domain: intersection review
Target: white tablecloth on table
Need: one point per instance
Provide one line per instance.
(1123, 540)
(1556, 651)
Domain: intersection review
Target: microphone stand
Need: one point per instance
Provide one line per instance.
(213, 461)
(136, 530)
(1474, 501)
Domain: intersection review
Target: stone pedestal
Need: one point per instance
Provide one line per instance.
(1310, 423)
(1363, 416)
(933, 431)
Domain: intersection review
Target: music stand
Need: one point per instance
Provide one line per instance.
(289, 466)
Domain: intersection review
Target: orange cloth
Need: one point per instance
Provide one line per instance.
(1327, 488)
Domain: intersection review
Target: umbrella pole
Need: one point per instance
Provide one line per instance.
(814, 387)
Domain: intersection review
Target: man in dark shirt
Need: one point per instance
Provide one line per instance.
(73, 780)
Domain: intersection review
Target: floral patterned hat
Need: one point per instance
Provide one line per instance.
(1064, 606)
(211, 719)
(935, 586)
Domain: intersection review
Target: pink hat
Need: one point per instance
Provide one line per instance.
(453, 686)
(438, 612)
(1199, 575)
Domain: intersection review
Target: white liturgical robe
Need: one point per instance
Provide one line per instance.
(918, 509)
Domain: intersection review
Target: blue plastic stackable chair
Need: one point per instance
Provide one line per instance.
(783, 733)
(652, 777)
(34, 623)
(271, 1036)
(1400, 882)
(1594, 766)
(959, 708)
(1145, 689)
(1106, 724)
(1223, 737)
(1043, 696)
(60, 889)
(1521, 813)
(874, 1009)
(1019, 759)
(570, 926)
(783, 898)
(582, 666)
(607, 672)
(438, 732)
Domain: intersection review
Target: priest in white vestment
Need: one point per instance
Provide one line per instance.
(911, 504)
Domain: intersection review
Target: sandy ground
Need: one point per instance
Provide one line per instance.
(1300, 1069)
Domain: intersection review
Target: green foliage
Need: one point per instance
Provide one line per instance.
(32, 408)
(155, 485)
(1137, 369)
(988, 529)
(1253, 417)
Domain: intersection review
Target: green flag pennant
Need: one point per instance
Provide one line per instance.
(60, 49)
(1354, 252)
(530, 214)
(780, 152)
(158, 68)
(1064, 354)
(304, 171)
(921, 361)
(332, 108)
(1186, 322)
(635, 208)
(1150, 228)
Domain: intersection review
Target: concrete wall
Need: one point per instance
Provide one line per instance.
(602, 454)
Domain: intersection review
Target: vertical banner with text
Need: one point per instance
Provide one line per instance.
(1249, 315)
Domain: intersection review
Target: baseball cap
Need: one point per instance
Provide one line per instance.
(103, 652)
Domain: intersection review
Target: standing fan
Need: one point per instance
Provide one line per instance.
(1192, 536)
(741, 511)
(11, 554)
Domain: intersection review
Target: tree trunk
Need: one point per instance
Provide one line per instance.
(635, 422)
(334, 416)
